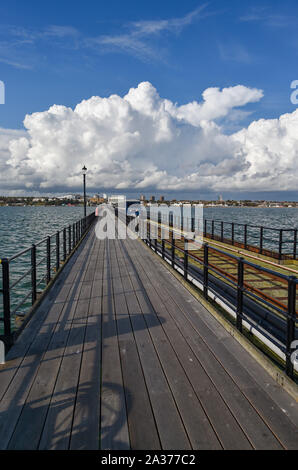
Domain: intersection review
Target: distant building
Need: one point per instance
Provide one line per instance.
(143, 197)
(162, 198)
(152, 198)
(116, 199)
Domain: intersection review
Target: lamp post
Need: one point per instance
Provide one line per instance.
(84, 170)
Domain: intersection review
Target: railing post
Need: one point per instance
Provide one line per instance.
(163, 248)
(240, 284)
(261, 239)
(291, 314)
(205, 227)
(245, 236)
(69, 239)
(6, 301)
(173, 250)
(185, 259)
(280, 244)
(48, 259)
(206, 266)
(233, 233)
(295, 245)
(33, 273)
(57, 251)
(64, 244)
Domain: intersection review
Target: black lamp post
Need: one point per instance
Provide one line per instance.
(84, 170)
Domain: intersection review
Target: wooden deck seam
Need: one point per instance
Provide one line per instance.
(41, 359)
(138, 354)
(195, 392)
(223, 366)
(195, 353)
(157, 358)
(83, 352)
(155, 347)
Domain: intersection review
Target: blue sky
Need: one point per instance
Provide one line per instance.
(62, 52)
(54, 52)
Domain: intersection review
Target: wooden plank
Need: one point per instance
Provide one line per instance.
(114, 428)
(170, 427)
(21, 347)
(85, 429)
(277, 422)
(58, 423)
(196, 422)
(25, 377)
(142, 428)
(226, 427)
(32, 419)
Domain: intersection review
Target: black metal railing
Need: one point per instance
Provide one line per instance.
(26, 274)
(274, 242)
(262, 300)
(278, 243)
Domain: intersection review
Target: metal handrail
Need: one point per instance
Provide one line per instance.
(281, 330)
(55, 255)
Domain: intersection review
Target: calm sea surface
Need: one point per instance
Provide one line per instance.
(22, 226)
(19, 228)
(271, 217)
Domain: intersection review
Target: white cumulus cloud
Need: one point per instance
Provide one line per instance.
(144, 141)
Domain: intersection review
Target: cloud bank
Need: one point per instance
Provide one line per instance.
(144, 141)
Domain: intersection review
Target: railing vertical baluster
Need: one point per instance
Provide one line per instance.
(48, 259)
(57, 251)
(173, 250)
(295, 245)
(280, 244)
(206, 266)
(6, 302)
(33, 273)
(205, 227)
(240, 285)
(64, 244)
(291, 317)
(73, 236)
(245, 236)
(185, 259)
(261, 239)
(69, 239)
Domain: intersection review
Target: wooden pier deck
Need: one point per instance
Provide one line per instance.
(121, 356)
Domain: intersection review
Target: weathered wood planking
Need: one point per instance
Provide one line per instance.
(121, 356)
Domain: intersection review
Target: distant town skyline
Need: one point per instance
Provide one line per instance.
(194, 98)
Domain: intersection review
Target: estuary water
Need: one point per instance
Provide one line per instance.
(22, 226)
(19, 228)
(286, 218)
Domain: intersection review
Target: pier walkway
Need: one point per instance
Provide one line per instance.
(120, 355)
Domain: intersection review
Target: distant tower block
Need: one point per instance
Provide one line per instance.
(142, 197)
(162, 198)
(152, 198)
